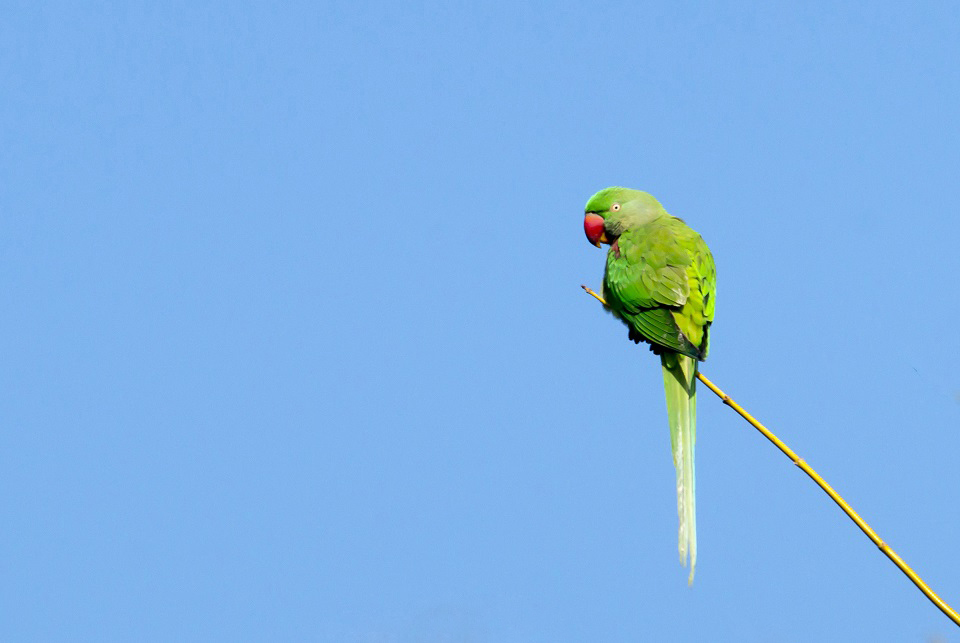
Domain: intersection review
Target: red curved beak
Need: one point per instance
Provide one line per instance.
(593, 227)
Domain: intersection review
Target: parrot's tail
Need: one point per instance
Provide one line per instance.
(680, 384)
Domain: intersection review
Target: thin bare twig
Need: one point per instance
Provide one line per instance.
(847, 509)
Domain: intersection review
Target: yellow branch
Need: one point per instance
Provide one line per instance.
(847, 509)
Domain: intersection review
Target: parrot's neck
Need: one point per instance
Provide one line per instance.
(636, 219)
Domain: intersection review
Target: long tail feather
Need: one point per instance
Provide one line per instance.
(680, 385)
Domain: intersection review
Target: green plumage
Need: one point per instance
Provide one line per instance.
(680, 386)
(660, 280)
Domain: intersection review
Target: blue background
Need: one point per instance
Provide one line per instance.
(292, 344)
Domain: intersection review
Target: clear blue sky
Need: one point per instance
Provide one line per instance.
(293, 346)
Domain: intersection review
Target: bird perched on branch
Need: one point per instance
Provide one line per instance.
(661, 281)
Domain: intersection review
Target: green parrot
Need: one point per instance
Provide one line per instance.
(661, 282)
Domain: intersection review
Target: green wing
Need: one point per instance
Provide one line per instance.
(661, 280)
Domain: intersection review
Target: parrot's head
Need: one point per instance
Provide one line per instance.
(611, 211)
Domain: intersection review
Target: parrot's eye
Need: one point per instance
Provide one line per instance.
(615, 207)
